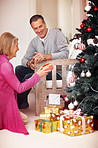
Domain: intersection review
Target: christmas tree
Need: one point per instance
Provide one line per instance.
(84, 94)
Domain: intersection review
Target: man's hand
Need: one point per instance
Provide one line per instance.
(31, 64)
(39, 57)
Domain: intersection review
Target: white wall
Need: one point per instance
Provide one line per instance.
(77, 14)
(48, 8)
(14, 18)
(64, 17)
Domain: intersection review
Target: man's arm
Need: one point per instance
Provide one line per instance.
(58, 47)
(62, 46)
(28, 55)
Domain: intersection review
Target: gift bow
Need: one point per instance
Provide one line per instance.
(72, 113)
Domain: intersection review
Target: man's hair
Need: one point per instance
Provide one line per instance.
(36, 17)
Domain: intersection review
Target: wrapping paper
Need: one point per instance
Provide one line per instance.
(52, 109)
(47, 126)
(74, 125)
(51, 116)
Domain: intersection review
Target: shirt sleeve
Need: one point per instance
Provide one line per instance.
(62, 46)
(8, 74)
(30, 52)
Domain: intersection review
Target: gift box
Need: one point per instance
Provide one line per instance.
(51, 116)
(47, 126)
(45, 116)
(75, 125)
(52, 109)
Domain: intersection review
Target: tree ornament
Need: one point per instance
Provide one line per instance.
(88, 74)
(89, 29)
(95, 41)
(82, 25)
(95, 9)
(66, 99)
(82, 60)
(87, 8)
(71, 80)
(82, 74)
(76, 46)
(81, 46)
(75, 103)
(90, 41)
(71, 106)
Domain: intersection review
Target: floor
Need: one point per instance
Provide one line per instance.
(38, 139)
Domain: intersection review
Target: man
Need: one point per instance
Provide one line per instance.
(47, 45)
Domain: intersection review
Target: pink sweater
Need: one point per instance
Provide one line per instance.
(9, 86)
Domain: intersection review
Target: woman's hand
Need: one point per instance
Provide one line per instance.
(41, 72)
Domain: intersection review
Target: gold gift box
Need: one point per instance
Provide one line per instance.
(74, 126)
(50, 116)
(51, 109)
(47, 126)
(45, 116)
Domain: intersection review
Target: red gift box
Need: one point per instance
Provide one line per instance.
(48, 67)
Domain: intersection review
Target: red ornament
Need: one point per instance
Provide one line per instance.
(71, 80)
(89, 29)
(76, 46)
(82, 25)
(82, 60)
(95, 9)
(81, 46)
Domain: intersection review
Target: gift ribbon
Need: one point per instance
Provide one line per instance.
(46, 121)
(73, 114)
(83, 124)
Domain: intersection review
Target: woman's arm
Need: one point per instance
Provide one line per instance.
(7, 73)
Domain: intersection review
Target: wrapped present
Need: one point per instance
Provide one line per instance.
(50, 116)
(48, 66)
(52, 109)
(73, 124)
(45, 116)
(47, 126)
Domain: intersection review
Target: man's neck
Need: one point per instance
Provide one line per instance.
(42, 39)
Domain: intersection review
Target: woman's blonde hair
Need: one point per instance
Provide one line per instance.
(7, 41)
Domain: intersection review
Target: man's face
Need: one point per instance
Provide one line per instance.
(39, 28)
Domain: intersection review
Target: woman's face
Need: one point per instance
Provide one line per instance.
(15, 49)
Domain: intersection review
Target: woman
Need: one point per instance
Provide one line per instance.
(10, 117)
